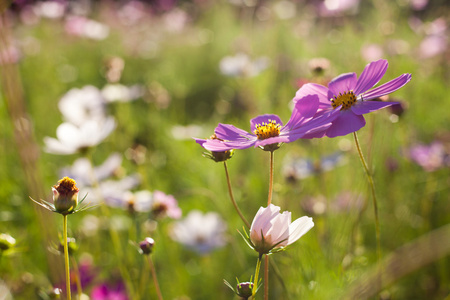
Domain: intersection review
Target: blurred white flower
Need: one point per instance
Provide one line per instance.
(186, 132)
(241, 65)
(50, 9)
(114, 193)
(71, 138)
(121, 93)
(79, 105)
(329, 8)
(200, 232)
(271, 230)
(83, 172)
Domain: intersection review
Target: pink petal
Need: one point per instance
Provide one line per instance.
(343, 83)
(345, 123)
(314, 89)
(264, 119)
(298, 228)
(365, 107)
(388, 87)
(371, 75)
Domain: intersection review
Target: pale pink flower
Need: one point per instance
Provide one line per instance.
(272, 230)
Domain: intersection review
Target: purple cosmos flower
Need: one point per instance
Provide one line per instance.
(268, 131)
(350, 96)
(430, 157)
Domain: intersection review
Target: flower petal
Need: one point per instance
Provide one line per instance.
(388, 87)
(234, 137)
(365, 107)
(264, 119)
(343, 83)
(305, 108)
(371, 75)
(315, 89)
(345, 123)
(298, 228)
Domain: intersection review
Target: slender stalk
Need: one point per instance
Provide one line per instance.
(374, 198)
(269, 201)
(375, 207)
(66, 257)
(230, 192)
(255, 280)
(78, 279)
(155, 279)
(266, 278)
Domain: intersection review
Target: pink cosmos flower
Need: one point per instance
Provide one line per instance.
(430, 157)
(268, 131)
(350, 96)
(271, 230)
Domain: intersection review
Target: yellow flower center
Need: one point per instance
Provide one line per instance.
(347, 99)
(66, 185)
(267, 130)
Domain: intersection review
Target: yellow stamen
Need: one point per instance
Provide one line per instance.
(347, 99)
(267, 130)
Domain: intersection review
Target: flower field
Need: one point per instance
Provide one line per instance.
(232, 149)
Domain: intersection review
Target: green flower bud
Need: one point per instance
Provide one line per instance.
(65, 196)
(244, 289)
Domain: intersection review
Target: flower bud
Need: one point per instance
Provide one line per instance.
(244, 289)
(55, 293)
(147, 245)
(6, 242)
(65, 196)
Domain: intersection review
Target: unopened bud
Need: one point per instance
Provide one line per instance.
(244, 289)
(65, 196)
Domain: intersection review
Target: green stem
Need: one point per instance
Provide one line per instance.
(255, 280)
(230, 191)
(66, 257)
(78, 280)
(266, 278)
(269, 201)
(375, 205)
(155, 279)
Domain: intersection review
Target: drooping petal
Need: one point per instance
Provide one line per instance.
(234, 137)
(388, 87)
(345, 123)
(213, 145)
(298, 228)
(264, 119)
(314, 89)
(304, 109)
(371, 75)
(343, 83)
(365, 107)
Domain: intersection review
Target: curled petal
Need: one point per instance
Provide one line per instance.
(314, 89)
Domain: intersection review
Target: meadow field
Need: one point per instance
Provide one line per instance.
(114, 94)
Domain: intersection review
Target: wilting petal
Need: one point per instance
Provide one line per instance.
(365, 107)
(264, 119)
(388, 87)
(298, 228)
(343, 83)
(371, 75)
(345, 123)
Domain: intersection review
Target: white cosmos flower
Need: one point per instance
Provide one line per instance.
(272, 230)
(79, 105)
(72, 138)
(200, 232)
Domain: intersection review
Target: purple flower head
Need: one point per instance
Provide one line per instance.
(351, 96)
(105, 291)
(268, 131)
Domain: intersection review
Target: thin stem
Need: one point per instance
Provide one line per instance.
(78, 279)
(269, 201)
(375, 206)
(266, 278)
(255, 280)
(66, 257)
(230, 191)
(155, 279)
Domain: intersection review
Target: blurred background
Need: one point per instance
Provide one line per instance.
(111, 93)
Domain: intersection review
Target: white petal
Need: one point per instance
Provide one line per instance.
(299, 227)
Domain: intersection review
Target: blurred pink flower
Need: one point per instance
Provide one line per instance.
(430, 157)
(271, 230)
(105, 291)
